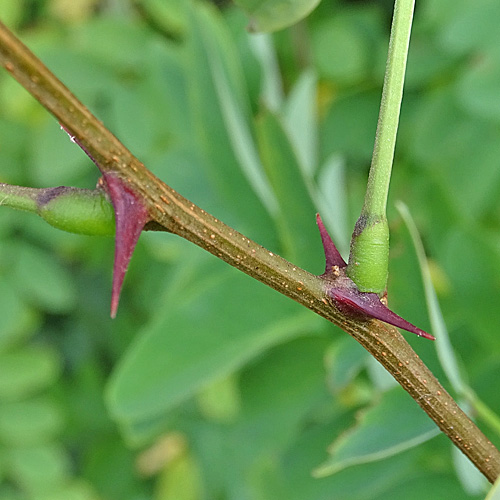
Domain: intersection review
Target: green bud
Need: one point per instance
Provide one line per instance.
(369, 254)
(81, 211)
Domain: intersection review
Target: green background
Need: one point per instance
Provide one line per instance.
(208, 385)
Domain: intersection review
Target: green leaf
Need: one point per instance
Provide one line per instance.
(446, 141)
(341, 49)
(39, 469)
(276, 396)
(14, 135)
(494, 493)
(271, 84)
(427, 61)
(273, 15)
(349, 126)
(469, 26)
(17, 319)
(169, 15)
(476, 285)
(180, 480)
(444, 348)
(29, 422)
(135, 110)
(426, 484)
(300, 121)
(394, 425)
(26, 371)
(116, 42)
(220, 121)
(363, 482)
(470, 477)
(297, 211)
(331, 200)
(42, 279)
(345, 359)
(240, 135)
(11, 13)
(280, 393)
(478, 88)
(161, 103)
(220, 401)
(74, 490)
(56, 160)
(197, 340)
(112, 469)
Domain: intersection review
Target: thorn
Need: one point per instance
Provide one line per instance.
(346, 294)
(332, 255)
(130, 217)
(369, 304)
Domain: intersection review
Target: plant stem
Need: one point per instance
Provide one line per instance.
(178, 215)
(20, 198)
(392, 95)
(369, 255)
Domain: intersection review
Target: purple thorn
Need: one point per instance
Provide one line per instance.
(369, 304)
(332, 255)
(130, 217)
(346, 296)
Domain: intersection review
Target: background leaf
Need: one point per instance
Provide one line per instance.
(272, 15)
(24, 372)
(378, 436)
(494, 493)
(298, 235)
(161, 370)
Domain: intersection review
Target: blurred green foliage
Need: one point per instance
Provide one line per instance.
(208, 385)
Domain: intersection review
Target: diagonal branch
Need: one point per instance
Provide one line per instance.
(178, 215)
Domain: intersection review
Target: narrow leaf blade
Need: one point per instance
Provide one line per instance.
(394, 425)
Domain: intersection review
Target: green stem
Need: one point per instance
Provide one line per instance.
(174, 213)
(20, 198)
(369, 255)
(392, 95)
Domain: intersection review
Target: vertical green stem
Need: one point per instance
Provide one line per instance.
(392, 94)
(369, 256)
